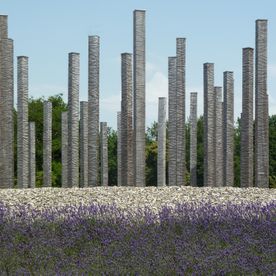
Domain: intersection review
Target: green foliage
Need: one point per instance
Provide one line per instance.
(112, 157)
(237, 146)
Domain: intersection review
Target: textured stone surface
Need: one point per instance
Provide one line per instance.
(64, 149)
(22, 122)
(93, 109)
(218, 138)
(209, 125)
(139, 70)
(83, 144)
(228, 128)
(161, 142)
(119, 149)
(172, 121)
(104, 155)
(73, 119)
(193, 139)
(246, 149)
(261, 107)
(126, 122)
(47, 144)
(180, 111)
(32, 160)
(3, 26)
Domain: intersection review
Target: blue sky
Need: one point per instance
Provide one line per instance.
(216, 31)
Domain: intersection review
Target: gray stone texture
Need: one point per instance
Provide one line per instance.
(246, 148)
(83, 144)
(126, 122)
(93, 109)
(139, 71)
(64, 149)
(73, 119)
(22, 123)
(104, 154)
(119, 149)
(32, 160)
(193, 139)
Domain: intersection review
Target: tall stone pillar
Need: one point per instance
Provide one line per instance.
(209, 125)
(193, 139)
(172, 121)
(246, 149)
(161, 139)
(104, 155)
(32, 167)
(83, 144)
(228, 128)
(139, 71)
(261, 107)
(64, 149)
(119, 149)
(47, 144)
(22, 123)
(73, 119)
(126, 122)
(218, 138)
(6, 106)
(93, 110)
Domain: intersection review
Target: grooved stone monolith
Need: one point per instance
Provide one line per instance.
(32, 166)
(126, 121)
(93, 109)
(119, 149)
(73, 119)
(193, 139)
(246, 149)
(104, 155)
(261, 107)
(64, 149)
(172, 120)
(47, 144)
(228, 128)
(139, 70)
(22, 123)
(83, 144)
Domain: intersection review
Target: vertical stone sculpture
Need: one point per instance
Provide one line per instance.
(93, 110)
(193, 139)
(172, 121)
(218, 138)
(209, 125)
(261, 107)
(119, 149)
(73, 119)
(22, 123)
(246, 149)
(228, 128)
(161, 139)
(126, 121)
(32, 167)
(64, 149)
(180, 112)
(47, 144)
(104, 155)
(83, 144)
(139, 70)
(6, 106)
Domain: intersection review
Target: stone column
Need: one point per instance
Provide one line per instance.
(161, 146)
(228, 129)
(261, 107)
(83, 144)
(126, 121)
(22, 123)
(32, 167)
(209, 125)
(64, 149)
(73, 119)
(218, 138)
(6, 107)
(193, 139)
(104, 155)
(172, 121)
(246, 148)
(47, 144)
(139, 71)
(119, 150)
(93, 110)
(180, 115)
